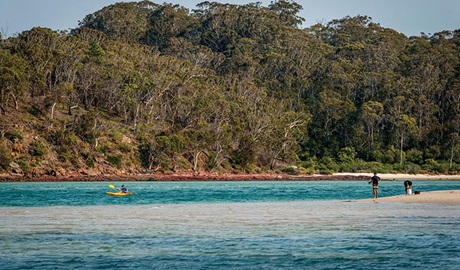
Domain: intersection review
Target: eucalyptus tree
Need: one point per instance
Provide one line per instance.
(251, 120)
(54, 59)
(69, 62)
(366, 59)
(331, 122)
(364, 66)
(122, 21)
(13, 80)
(405, 127)
(446, 98)
(425, 85)
(38, 47)
(282, 137)
(402, 125)
(166, 23)
(453, 126)
(287, 11)
(241, 34)
(372, 115)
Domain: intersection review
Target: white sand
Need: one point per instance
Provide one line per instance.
(439, 197)
(400, 176)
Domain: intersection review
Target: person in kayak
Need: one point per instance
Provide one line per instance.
(375, 185)
(123, 189)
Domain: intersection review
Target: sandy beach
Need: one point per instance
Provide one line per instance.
(438, 197)
(401, 176)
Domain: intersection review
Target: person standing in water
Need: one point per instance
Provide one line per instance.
(375, 185)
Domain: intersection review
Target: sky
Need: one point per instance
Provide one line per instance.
(410, 17)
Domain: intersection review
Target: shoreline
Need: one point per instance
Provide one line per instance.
(402, 176)
(205, 176)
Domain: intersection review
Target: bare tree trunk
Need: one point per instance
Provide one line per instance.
(16, 106)
(401, 150)
(135, 117)
(195, 161)
(52, 110)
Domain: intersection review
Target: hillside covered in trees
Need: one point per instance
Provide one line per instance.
(143, 87)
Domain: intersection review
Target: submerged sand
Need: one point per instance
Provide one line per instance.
(439, 197)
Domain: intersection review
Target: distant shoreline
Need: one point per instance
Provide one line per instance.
(401, 176)
(192, 176)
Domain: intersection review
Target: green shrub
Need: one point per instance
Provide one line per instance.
(173, 143)
(115, 160)
(116, 136)
(443, 168)
(37, 149)
(89, 160)
(145, 154)
(290, 170)
(398, 167)
(433, 152)
(245, 154)
(5, 157)
(379, 167)
(35, 110)
(251, 168)
(385, 156)
(326, 172)
(104, 149)
(310, 164)
(377, 156)
(412, 168)
(65, 156)
(430, 165)
(414, 156)
(328, 164)
(84, 127)
(13, 135)
(64, 139)
(455, 168)
(308, 171)
(347, 155)
(124, 147)
(348, 167)
(23, 165)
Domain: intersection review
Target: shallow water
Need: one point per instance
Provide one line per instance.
(204, 226)
(93, 193)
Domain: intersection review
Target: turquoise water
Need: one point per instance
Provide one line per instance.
(225, 225)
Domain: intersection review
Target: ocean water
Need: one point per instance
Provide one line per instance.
(225, 225)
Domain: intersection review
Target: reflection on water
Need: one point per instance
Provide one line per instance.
(256, 235)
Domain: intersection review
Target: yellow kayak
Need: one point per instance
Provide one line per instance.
(119, 193)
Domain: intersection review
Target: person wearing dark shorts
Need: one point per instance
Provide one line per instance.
(375, 185)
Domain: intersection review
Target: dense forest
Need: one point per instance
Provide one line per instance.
(142, 87)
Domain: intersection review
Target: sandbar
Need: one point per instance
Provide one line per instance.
(438, 197)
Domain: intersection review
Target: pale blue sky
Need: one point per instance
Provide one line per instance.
(410, 17)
